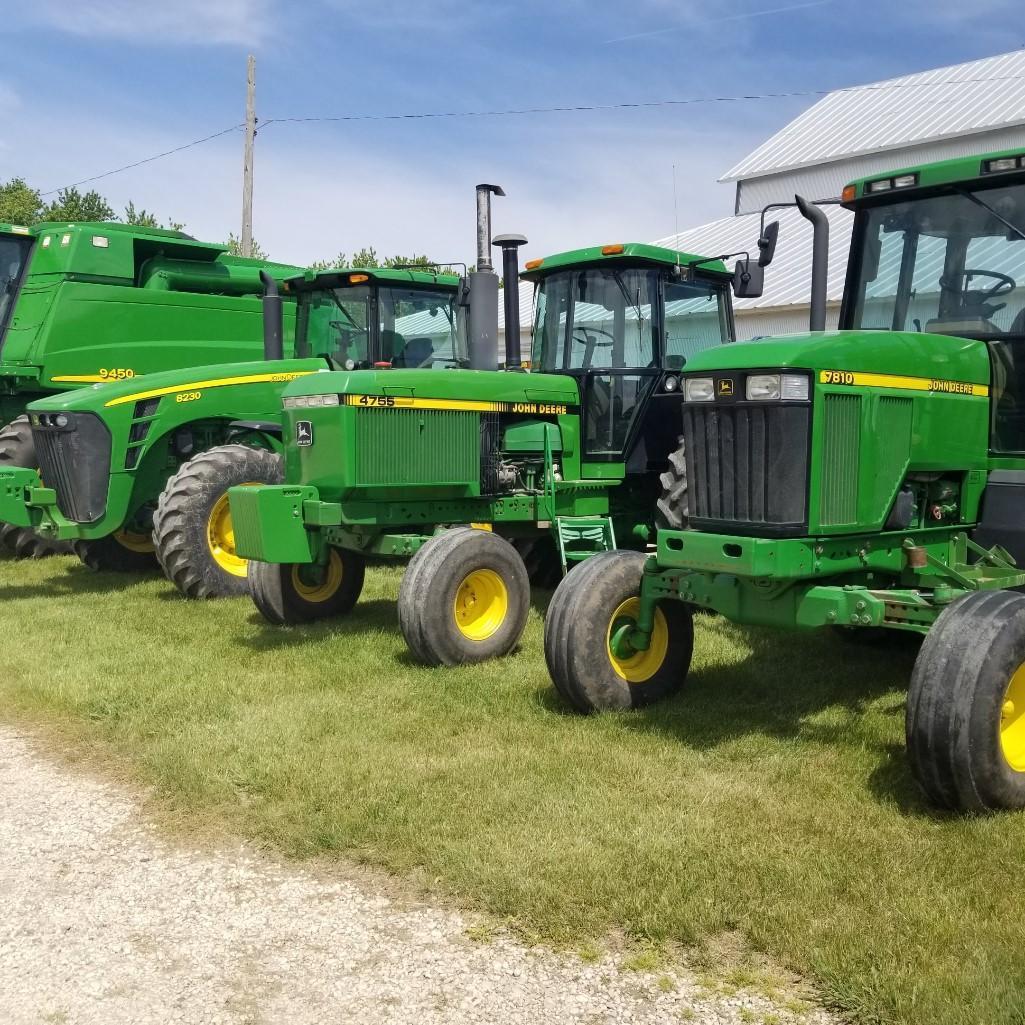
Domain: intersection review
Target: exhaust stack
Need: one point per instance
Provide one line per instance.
(819, 262)
(481, 290)
(510, 244)
(273, 329)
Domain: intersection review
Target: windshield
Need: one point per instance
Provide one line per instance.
(608, 318)
(949, 264)
(14, 250)
(360, 326)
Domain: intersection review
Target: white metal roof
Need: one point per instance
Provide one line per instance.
(788, 277)
(959, 100)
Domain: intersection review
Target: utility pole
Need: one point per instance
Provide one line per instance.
(247, 164)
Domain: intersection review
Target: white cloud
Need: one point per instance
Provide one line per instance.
(233, 22)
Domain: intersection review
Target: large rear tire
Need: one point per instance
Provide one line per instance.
(17, 448)
(965, 723)
(288, 594)
(192, 529)
(124, 552)
(584, 645)
(464, 598)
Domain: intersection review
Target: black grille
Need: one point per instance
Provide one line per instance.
(747, 466)
(75, 461)
(490, 457)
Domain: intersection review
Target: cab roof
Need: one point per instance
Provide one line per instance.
(343, 278)
(941, 172)
(633, 253)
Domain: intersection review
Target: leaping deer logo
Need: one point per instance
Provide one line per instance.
(304, 433)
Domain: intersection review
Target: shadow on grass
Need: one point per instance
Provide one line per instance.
(75, 581)
(779, 690)
(370, 615)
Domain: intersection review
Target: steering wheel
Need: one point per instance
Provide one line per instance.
(596, 330)
(1005, 284)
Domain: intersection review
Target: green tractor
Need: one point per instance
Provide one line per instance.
(556, 464)
(143, 466)
(867, 479)
(99, 303)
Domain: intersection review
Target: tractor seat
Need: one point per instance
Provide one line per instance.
(416, 353)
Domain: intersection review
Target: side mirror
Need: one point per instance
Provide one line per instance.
(748, 279)
(767, 244)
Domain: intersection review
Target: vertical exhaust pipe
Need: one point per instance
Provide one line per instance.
(482, 289)
(510, 244)
(273, 329)
(819, 262)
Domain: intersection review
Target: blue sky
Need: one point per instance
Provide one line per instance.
(86, 87)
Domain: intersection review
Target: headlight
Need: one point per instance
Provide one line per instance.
(671, 383)
(309, 401)
(699, 389)
(767, 387)
(763, 386)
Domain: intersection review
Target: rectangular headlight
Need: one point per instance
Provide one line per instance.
(905, 181)
(883, 185)
(999, 164)
(763, 387)
(309, 401)
(288, 402)
(699, 389)
(794, 387)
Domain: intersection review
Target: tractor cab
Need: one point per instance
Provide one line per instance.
(948, 260)
(365, 318)
(15, 249)
(623, 321)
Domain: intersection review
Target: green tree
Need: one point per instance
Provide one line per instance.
(367, 257)
(72, 205)
(234, 245)
(19, 203)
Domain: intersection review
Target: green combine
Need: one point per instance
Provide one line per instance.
(106, 303)
(143, 466)
(557, 464)
(863, 480)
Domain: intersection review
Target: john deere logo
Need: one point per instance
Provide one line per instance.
(726, 387)
(304, 433)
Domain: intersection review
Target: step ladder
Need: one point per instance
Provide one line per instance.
(579, 537)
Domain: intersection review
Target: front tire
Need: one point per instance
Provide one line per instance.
(289, 594)
(192, 529)
(18, 448)
(123, 552)
(965, 720)
(585, 648)
(464, 598)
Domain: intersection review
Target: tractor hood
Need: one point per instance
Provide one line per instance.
(458, 386)
(905, 354)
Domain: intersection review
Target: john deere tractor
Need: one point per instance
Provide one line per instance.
(143, 465)
(555, 464)
(867, 479)
(100, 303)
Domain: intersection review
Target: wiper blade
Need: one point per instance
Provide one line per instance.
(985, 206)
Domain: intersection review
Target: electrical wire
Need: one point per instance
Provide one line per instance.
(525, 111)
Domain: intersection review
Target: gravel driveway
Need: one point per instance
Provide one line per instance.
(103, 922)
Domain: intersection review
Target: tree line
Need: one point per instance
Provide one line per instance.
(22, 204)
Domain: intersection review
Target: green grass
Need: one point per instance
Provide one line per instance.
(770, 800)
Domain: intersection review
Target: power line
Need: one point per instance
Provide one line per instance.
(145, 160)
(526, 111)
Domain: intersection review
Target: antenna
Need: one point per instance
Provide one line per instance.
(676, 219)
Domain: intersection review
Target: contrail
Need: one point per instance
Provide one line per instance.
(709, 21)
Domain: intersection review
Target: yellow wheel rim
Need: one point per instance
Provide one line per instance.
(640, 665)
(481, 605)
(325, 589)
(135, 541)
(1012, 722)
(220, 536)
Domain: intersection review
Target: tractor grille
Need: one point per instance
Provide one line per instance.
(75, 462)
(747, 466)
(417, 447)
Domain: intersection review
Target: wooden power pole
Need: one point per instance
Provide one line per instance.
(247, 166)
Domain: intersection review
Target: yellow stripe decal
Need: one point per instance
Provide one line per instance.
(408, 402)
(220, 382)
(931, 384)
(82, 378)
